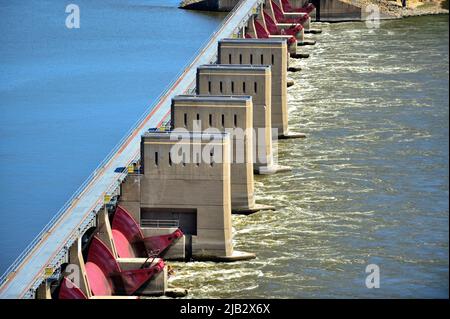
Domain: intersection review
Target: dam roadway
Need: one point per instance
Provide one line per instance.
(50, 248)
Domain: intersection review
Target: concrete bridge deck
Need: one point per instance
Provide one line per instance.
(49, 249)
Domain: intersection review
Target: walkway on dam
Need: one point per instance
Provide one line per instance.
(50, 246)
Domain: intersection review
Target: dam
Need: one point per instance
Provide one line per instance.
(138, 164)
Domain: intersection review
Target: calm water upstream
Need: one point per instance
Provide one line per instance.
(68, 96)
(369, 184)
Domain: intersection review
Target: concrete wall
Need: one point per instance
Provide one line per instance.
(214, 79)
(201, 187)
(130, 195)
(209, 5)
(236, 112)
(271, 52)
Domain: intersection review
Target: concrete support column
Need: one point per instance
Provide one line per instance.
(130, 196)
(43, 291)
(213, 79)
(178, 186)
(76, 258)
(104, 232)
(233, 114)
(271, 52)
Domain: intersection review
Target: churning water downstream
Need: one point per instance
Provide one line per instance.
(370, 183)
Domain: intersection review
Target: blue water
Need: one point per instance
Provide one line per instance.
(67, 96)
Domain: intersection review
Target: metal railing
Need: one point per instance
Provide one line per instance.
(160, 223)
(54, 220)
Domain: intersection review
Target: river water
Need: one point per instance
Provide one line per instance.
(369, 184)
(67, 96)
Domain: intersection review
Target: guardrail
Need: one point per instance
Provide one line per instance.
(160, 223)
(54, 220)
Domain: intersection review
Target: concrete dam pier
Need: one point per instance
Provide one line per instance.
(169, 190)
(209, 5)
